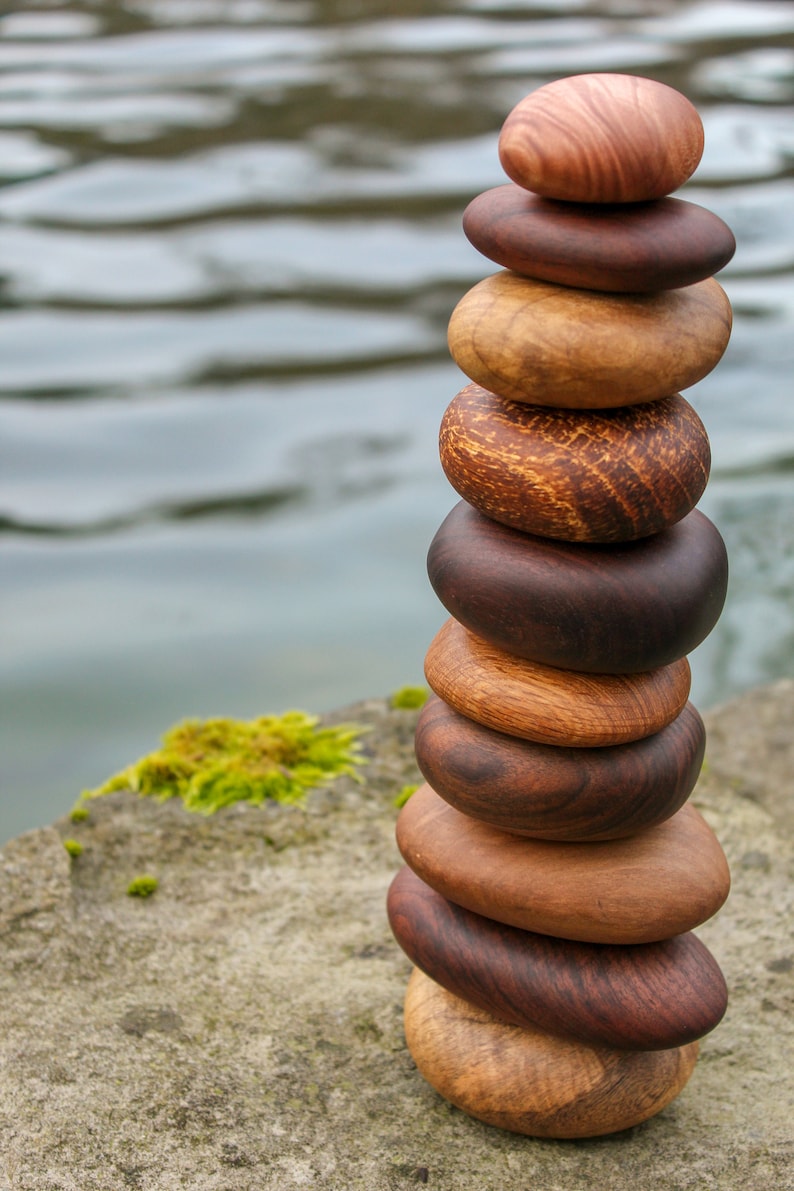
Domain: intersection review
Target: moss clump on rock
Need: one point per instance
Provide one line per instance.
(73, 847)
(213, 763)
(143, 886)
(409, 698)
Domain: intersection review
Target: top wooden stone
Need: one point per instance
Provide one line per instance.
(602, 138)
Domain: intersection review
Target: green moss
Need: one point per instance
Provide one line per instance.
(73, 847)
(78, 814)
(143, 886)
(214, 763)
(408, 698)
(404, 795)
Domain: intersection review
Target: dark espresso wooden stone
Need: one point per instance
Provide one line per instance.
(557, 793)
(576, 475)
(532, 1082)
(662, 882)
(649, 996)
(627, 248)
(594, 608)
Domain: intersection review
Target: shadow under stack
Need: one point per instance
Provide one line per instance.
(554, 868)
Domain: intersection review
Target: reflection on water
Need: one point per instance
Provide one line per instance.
(229, 246)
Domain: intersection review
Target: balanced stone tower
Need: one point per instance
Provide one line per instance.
(554, 867)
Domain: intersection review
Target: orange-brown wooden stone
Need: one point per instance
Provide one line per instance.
(649, 996)
(532, 1082)
(580, 476)
(582, 349)
(557, 793)
(535, 702)
(602, 138)
(662, 882)
(634, 248)
(604, 609)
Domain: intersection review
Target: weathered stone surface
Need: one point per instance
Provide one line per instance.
(242, 1029)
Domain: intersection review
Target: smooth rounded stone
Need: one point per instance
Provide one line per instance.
(649, 996)
(562, 707)
(531, 1082)
(604, 609)
(600, 476)
(602, 138)
(636, 248)
(662, 882)
(548, 344)
(558, 793)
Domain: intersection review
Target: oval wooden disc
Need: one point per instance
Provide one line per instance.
(595, 476)
(531, 1082)
(535, 702)
(602, 138)
(637, 248)
(651, 996)
(659, 883)
(582, 349)
(558, 793)
(602, 609)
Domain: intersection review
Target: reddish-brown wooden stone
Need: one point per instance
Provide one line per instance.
(531, 1082)
(628, 248)
(552, 345)
(559, 793)
(650, 996)
(600, 609)
(602, 138)
(579, 476)
(535, 702)
(662, 882)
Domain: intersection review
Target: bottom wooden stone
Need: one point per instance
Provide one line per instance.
(529, 1082)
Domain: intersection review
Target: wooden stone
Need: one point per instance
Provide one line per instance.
(650, 996)
(558, 793)
(531, 1082)
(602, 138)
(594, 608)
(636, 248)
(551, 706)
(579, 476)
(662, 882)
(552, 345)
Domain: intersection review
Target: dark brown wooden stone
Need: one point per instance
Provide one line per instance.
(609, 475)
(650, 996)
(553, 793)
(628, 248)
(607, 609)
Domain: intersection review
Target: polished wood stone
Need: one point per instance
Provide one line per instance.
(662, 882)
(649, 996)
(594, 608)
(600, 476)
(531, 1082)
(551, 706)
(634, 248)
(583, 349)
(602, 138)
(559, 793)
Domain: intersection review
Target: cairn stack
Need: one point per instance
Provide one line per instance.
(554, 867)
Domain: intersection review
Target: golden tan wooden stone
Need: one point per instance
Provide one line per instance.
(548, 344)
(530, 1082)
(661, 882)
(551, 706)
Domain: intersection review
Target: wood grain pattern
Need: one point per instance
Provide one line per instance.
(602, 609)
(580, 476)
(662, 882)
(602, 138)
(523, 698)
(569, 348)
(637, 248)
(531, 1082)
(649, 996)
(554, 793)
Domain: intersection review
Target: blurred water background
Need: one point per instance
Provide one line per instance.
(229, 246)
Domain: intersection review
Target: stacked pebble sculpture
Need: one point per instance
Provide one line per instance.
(554, 868)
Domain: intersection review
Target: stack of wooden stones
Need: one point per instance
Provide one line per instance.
(555, 869)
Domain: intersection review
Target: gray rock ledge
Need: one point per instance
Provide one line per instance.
(241, 1029)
